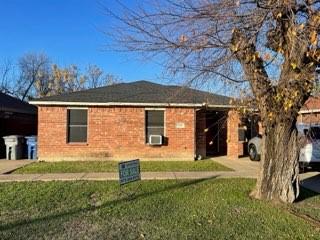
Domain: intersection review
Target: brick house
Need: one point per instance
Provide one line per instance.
(16, 118)
(121, 121)
(310, 112)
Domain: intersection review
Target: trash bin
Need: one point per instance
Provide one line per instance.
(14, 147)
(32, 147)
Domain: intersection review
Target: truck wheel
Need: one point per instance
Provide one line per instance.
(253, 154)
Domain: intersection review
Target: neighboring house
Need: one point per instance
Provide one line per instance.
(16, 118)
(310, 112)
(119, 121)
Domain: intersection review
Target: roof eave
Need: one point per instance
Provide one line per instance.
(15, 110)
(309, 111)
(97, 104)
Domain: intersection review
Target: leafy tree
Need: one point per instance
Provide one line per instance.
(270, 47)
(62, 80)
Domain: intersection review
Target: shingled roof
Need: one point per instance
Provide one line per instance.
(11, 104)
(136, 93)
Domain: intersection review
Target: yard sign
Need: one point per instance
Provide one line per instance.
(129, 171)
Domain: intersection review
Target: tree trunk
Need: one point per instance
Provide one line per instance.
(279, 169)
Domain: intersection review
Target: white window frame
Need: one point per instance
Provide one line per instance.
(77, 108)
(145, 122)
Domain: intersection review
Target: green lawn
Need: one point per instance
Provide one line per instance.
(310, 206)
(199, 209)
(112, 166)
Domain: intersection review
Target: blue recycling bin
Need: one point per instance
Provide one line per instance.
(32, 147)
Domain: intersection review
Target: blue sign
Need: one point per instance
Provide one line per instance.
(129, 171)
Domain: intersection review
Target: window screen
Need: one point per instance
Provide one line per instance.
(77, 125)
(154, 123)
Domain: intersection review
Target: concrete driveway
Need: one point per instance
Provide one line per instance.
(244, 166)
(7, 166)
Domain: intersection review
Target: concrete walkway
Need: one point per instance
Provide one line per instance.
(243, 168)
(7, 166)
(114, 176)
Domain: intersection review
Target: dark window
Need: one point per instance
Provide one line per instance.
(77, 125)
(242, 134)
(315, 133)
(154, 123)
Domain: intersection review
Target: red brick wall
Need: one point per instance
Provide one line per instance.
(234, 149)
(313, 103)
(309, 118)
(115, 133)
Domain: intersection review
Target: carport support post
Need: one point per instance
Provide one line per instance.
(233, 134)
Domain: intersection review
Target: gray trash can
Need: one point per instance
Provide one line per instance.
(32, 147)
(14, 147)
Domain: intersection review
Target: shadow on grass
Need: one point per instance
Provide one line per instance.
(178, 185)
(307, 186)
(305, 194)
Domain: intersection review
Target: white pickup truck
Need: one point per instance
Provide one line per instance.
(309, 153)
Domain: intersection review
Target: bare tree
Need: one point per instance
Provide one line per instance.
(110, 79)
(6, 76)
(270, 47)
(34, 71)
(38, 77)
(97, 78)
(71, 79)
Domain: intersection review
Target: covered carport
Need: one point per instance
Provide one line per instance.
(16, 118)
(211, 132)
(223, 132)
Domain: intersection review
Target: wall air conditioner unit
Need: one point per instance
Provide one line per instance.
(155, 140)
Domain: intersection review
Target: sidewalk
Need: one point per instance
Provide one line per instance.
(114, 176)
(243, 168)
(7, 166)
